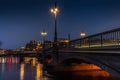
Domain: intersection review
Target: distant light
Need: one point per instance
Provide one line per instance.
(54, 11)
(82, 34)
(43, 33)
(51, 10)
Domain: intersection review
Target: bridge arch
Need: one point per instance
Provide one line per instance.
(95, 61)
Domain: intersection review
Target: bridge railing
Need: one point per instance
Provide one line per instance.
(109, 38)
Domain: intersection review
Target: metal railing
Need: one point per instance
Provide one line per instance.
(109, 38)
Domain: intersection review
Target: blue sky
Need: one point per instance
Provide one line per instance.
(23, 20)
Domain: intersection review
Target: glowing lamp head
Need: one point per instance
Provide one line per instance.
(54, 11)
(82, 34)
(43, 33)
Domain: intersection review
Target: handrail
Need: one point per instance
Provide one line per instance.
(107, 38)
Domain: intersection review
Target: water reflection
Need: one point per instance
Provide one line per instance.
(3, 67)
(38, 71)
(30, 69)
(22, 71)
(9, 60)
(3, 60)
(13, 69)
(83, 71)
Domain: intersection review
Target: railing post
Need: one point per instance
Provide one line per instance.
(80, 42)
(118, 34)
(101, 40)
(89, 42)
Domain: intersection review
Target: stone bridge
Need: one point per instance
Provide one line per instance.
(101, 49)
(107, 59)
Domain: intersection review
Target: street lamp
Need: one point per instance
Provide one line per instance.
(43, 34)
(55, 46)
(82, 34)
(55, 12)
(43, 45)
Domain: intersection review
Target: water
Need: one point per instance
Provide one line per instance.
(11, 68)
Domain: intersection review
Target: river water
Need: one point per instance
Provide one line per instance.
(11, 68)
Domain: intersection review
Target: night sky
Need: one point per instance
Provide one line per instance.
(23, 20)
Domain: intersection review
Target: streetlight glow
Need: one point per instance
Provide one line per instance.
(54, 11)
(51, 10)
(43, 33)
(82, 34)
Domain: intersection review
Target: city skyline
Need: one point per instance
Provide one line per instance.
(23, 20)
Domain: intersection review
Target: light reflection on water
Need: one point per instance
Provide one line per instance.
(22, 71)
(12, 69)
(30, 69)
(38, 72)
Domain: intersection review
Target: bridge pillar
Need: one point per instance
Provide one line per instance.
(55, 53)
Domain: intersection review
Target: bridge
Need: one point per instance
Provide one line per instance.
(102, 49)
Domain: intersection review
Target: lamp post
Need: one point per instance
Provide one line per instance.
(55, 12)
(43, 34)
(43, 46)
(55, 46)
(82, 35)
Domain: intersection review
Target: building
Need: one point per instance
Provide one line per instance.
(33, 46)
(63, 42)
(2, 51)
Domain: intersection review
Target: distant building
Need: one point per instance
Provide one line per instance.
(2, 51)
(48, 44)
(33, 46)
(63, 42)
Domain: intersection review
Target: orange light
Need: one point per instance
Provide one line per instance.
(54, 11)
(22, 72)
(51, 10)
(82, 34)
(43, 33)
